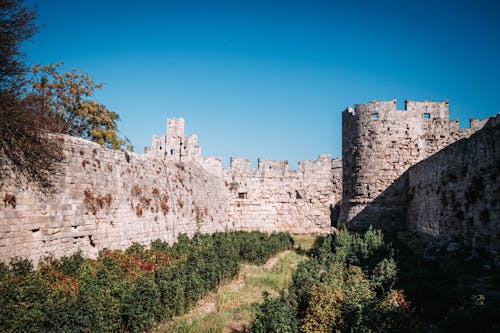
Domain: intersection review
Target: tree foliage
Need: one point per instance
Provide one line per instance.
(66, 96)
(24, 145)
(60, 103)
(17, 25)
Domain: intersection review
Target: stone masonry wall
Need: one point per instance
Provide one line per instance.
(379, 143)
(109, 199)
(274, 198)
(456, 192)
(269, 198)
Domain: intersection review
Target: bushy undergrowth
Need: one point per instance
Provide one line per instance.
(347, 285)
(125, 291)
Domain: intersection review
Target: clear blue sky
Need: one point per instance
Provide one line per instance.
(269, 78)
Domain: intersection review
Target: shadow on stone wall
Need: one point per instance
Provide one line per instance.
(454, 194)
(388, 211)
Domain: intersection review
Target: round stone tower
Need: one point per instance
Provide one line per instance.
(379, 143)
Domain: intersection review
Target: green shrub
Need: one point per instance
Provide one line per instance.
(307, 275)
(70, 265)
(141, 305)
(275, 315)
(20, 266)
(324, 313)
(125, 291)
(345, 286)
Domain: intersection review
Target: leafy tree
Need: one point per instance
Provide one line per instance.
(24, 145)
(17, 25)
(66, 97)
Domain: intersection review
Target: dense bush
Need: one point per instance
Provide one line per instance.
(347, 286)
(275, 315)
(125, 291)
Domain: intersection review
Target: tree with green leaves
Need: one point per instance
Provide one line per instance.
(66, 97)
(24, 145)
(17, 25)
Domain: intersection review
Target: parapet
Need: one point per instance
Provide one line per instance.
(276, 165)
(434, 109)
(212, 165)
(388, 110)
(175, 127)
(321, 167)
(239, 164)
(174, 144)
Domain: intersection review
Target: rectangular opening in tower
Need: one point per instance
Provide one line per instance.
(172, 152)
(374, 115)
(426, 115)
(242, 195)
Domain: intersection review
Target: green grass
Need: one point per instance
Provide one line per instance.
(232, 307)
(305, 242)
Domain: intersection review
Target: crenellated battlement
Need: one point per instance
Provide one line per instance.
(414, 110)
(281, 168)
(174, 144)
(379, 143)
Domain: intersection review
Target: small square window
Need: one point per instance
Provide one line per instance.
(242, 195)
(374, 115)
(426, 115)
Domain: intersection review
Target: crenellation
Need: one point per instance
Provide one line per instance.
(417, 170)
(433, 109)
(272, 168)
(390, 175)
(274, 197)
(380, 143)
(239, 164)
(108, 199)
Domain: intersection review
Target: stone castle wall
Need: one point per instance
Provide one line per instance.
(456, 192)
(274, 198)
(404, 171)
(379, 143)
(110, 199)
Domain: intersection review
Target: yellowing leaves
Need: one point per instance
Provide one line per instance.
(65, 96)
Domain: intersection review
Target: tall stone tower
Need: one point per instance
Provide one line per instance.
(175, 144)
(379, 143)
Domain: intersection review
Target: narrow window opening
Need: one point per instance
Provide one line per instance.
(375, 116)
(297, 195)
(242, 195)
(426, 115)
(172, 152)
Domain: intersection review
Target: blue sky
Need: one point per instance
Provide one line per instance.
(270, 78)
